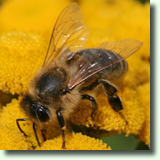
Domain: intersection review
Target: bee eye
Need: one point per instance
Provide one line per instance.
(42, 114)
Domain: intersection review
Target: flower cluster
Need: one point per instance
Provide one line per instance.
(23, 44)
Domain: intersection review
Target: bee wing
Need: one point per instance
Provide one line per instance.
(97, 63)
(124, 48)
(68, 32)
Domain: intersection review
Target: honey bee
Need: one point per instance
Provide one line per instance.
(70, 72)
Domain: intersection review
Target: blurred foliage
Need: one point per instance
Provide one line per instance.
(142, 146)
(120, 142)
(143, 1)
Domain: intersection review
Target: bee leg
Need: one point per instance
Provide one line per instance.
(113, 98)
(62, 126)
(34, 129)
(94, 105)
(44, 134)
(17, 120)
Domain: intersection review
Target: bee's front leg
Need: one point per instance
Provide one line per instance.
(44, 134)
(23, 119)
(62, 126)
(34, 129)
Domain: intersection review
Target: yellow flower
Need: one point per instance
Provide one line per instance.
(107, 119)
(21, 55)
(144, 134)
(13, 139)
(30, 15)
(115, 20)
(75, 142)
(23, 45)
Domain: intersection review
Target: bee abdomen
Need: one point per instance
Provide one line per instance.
(117, 67)
(114, 66)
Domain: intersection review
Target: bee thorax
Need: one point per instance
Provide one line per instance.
(51, 83)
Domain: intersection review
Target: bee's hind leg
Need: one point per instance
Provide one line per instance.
(114, 100)
(94, 105)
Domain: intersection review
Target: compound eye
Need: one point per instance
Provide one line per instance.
(42, 114)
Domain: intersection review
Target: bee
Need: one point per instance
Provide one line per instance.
(70, 72)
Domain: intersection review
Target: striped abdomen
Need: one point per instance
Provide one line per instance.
(94, 59)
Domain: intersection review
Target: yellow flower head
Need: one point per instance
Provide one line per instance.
(19, 50)
(75, 142)
(23, 45)
(12, 140)
(9, 129)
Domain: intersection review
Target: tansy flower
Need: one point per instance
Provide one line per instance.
(23, 46)
(12, 140)
(10, 135)
(144, 134)
(75, 142)
(21, 55)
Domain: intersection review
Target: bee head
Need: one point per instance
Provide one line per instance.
(36, 112)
